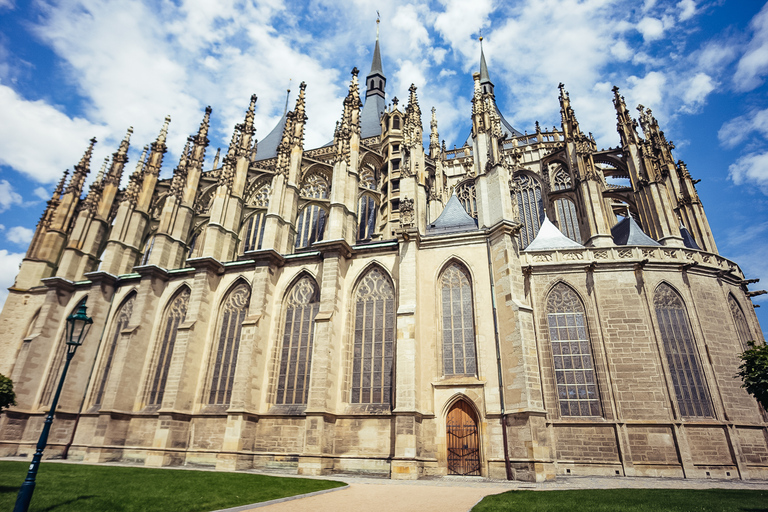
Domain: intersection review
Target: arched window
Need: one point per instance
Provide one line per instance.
(566, 217)
(174, 317)
(374, 339)
(467, 196)
(253, 234)
(742, 328)
(527, 191)
(680, 349)
(224, 359)
(561, 180)
(302, 304)
(366, 217)
(315, 185)
(122, 318)
(58, 363)
(368, 177)
(572, 354)
(310, 225)
(458, 322)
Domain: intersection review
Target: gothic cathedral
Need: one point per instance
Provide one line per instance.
(524, 306)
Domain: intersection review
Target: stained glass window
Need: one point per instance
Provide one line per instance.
(527, 192)
(366, 217)
(253, 234)
(310, 225)
(174, 317)
(466, 195)
(374, 339)
(58, 363)
(566, 216)
(458, 322)
(572, 354)
(742, 328)
(680, 349)
(121, 322)
(223, 371)
(302, 304)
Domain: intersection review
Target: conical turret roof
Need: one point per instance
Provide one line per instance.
(550, 238)
(454, 219)
(627, 232)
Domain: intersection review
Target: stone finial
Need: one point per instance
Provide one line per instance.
(81, 171)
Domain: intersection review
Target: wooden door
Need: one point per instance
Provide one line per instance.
(462, 440)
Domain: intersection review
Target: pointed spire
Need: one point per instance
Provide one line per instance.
(567, 115)
(94, 192)
(180, 173)
(434, 136)
(216, 159)
(375, 82)
(81, 171)
(60, 187)
(132, 190)
(626, 126)
(485, 79)
(201, 139)
(159, 144)
(412, 129)
(119, 158)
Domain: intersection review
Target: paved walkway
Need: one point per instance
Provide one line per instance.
(433, 495)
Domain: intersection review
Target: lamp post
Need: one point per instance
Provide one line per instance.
(78, 325)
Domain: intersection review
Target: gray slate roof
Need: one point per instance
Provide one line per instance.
(267, 147)
(454, 219)
(550, 238)
(507, 128)
(371, 115)
(627, 232)
(688, 239)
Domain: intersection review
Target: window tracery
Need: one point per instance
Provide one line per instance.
(562, 180)
(310, 225)
(527, 192)
(374, 336)
(467, 196)
(121, 322)
(174, 317)
(315, 185)
(458, 322)
(259, 194)
(368, 178)
(680, 349)
(302, 304)
(366, 217)
(253, 233)
(575, 380)
(567, 220)
(742, 328)
(223, 367)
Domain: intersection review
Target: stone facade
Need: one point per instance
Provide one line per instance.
(326, 310)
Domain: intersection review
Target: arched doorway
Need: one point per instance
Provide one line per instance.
(462, 440)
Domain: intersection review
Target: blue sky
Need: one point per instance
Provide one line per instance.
(75, 69)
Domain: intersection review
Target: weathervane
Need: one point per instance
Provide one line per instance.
(378, 20)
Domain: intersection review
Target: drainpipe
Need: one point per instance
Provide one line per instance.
(507, 465)
(90, 376)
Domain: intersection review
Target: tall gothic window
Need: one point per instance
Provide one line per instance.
(253, 234)
(224, 359)
(58, 363)
(458, 322)
(467, 196)
(174, 317)
(680, 349)
(566, 216)
(302, 304)
(310, 225)
(742, 328)
(366, 217)
(527, 192)
(374, 339)
(121, 322)
(572, 353)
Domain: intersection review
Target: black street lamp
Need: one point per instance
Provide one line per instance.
(78, 325)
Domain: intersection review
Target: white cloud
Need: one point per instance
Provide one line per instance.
(751, 169)
(9, 262)
(42, 193)
(739, 128)
(20, 235)
(696, 91)
(31, 125)
(687, 9)
(753, 65)
(8, 197)
(654, 28)
(7, 4)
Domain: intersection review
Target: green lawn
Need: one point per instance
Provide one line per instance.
(627, 500)
(75, 487)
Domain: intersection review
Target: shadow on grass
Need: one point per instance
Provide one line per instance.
(68, 502)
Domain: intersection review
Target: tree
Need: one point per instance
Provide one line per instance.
(7, 396)
(754, 371)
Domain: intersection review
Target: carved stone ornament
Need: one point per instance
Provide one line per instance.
(406, 212)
